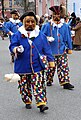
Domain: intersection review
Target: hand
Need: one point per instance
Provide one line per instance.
(50, 39)
(10, 33)
(51, 64)
(69, 51)
(20, 49)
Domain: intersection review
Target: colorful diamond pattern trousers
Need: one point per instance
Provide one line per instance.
(33, 83)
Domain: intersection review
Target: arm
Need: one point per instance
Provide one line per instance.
(48, 52)
(77, 27)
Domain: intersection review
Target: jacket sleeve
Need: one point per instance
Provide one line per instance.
(47, 49)
(14, 42)
(68, 38)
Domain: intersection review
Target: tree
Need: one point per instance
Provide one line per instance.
(2, 1)
(25, 3)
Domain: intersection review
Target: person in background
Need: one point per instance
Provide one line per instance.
(26, 43)
(77, 39)
(72, 20)
(2, 27)
(38, 19)
(60, 41)
(41, 21)
(12, 26)
(6, 19)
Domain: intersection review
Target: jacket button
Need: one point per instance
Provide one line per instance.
(32, 46)
(58, 34)
(32, 63)
(32, 55)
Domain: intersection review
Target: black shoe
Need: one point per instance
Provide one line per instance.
(43, 108)
(68, 86)
(28, 106)
(49, 83)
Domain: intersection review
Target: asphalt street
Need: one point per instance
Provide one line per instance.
(63, 104)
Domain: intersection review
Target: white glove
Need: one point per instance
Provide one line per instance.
(50, 39)
(11, 33)
(20, 49)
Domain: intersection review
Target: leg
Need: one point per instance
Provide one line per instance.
(63, 71)
(39, 91)
(12, 57)
(25, 89)
(50, 74)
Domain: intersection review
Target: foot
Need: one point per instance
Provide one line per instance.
(49, 83)
(43, 108)
(28, 106)
(68, 86)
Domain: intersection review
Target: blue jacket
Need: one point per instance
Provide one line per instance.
(61, 35)
(13, 27)
(28, 61)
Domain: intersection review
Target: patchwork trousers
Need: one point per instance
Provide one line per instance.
(61, 63)
(33, 83)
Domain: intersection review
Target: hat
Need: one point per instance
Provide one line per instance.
(73, 14)
(55, 9)
(28, 14)
(62, 10)
(78, 18)
(15, 12)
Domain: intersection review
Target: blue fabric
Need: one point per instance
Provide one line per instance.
(23, 63)
(64, 38)
(12, 27)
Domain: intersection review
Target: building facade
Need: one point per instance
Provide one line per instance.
(40, 7)
(74, 6)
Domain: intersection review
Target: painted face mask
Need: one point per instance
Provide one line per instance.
(29, 23)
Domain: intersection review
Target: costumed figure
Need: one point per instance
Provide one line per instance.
(60, 41)
(12, 26)
(26, 44)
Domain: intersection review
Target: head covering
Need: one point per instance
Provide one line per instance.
(15, 12)
(78, 18)
(73, 14)
(62, 11)
(55, 9)
(59, 10)
(28, 14)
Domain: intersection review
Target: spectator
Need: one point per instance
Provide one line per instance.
(77, 39)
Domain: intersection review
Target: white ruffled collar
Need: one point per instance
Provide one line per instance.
(14, 21)
(33, 33)
(56, 25)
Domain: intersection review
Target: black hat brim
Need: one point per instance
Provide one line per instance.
(15, 12)
(28, 14)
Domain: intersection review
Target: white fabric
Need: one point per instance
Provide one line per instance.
(14, 21)
(33, 33)
(12, 77)
(20, 49)
(11, 33)
(56, 25)
(50, 39)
